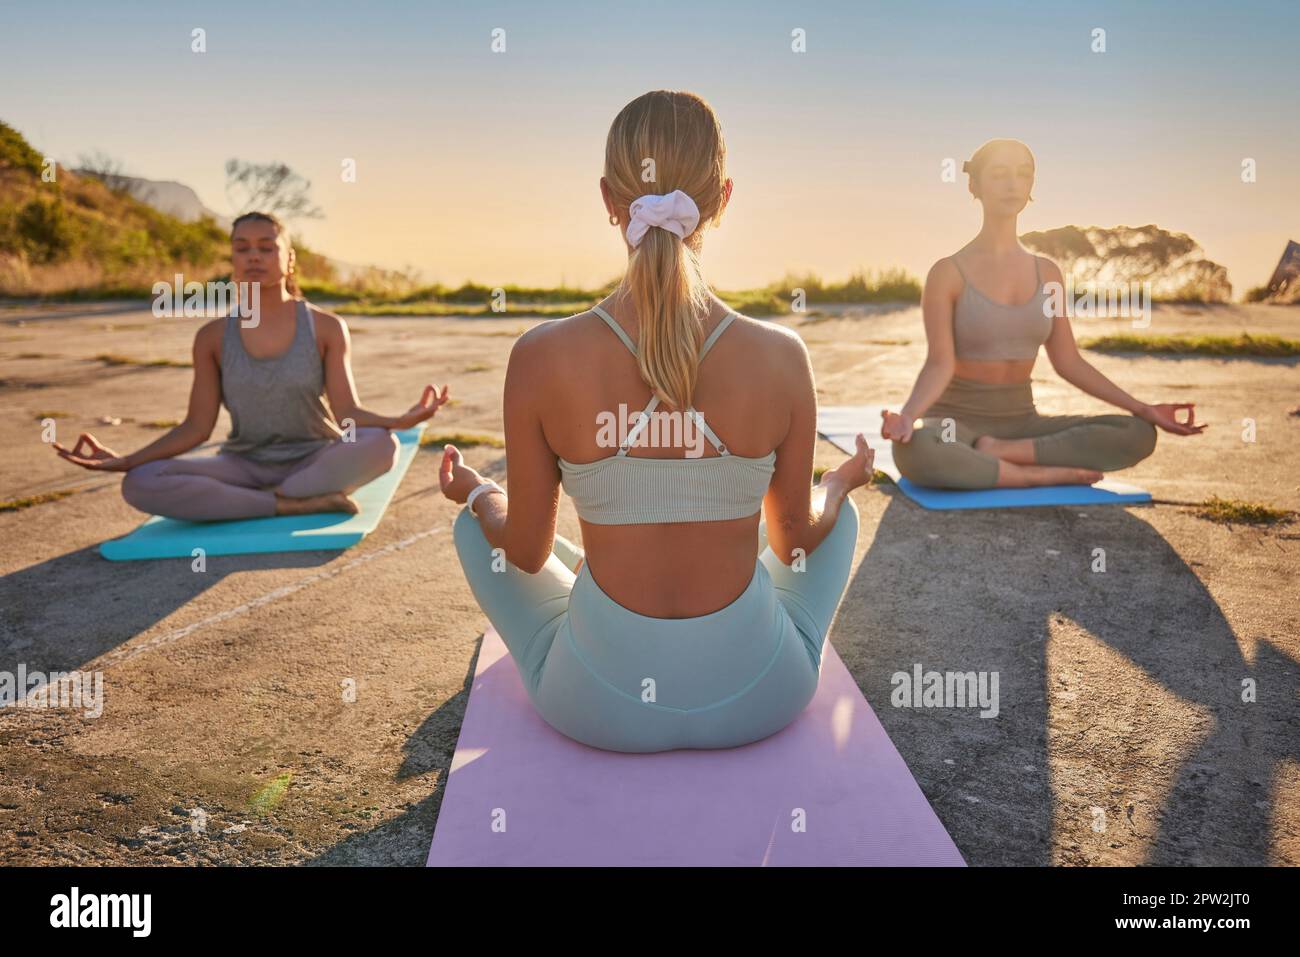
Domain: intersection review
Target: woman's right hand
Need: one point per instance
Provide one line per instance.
(455, 477)
(89, 453)
(856, 471)
(895, 427)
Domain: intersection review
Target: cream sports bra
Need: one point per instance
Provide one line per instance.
(984, 329)
(621, 489)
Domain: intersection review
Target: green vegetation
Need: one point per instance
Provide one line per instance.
(1233, 510)
(268, 797)
(27, 501)
(1172, 263)
(431, 308)
(161, 424)
(877, 477)
(389, 297)
(889, 285)
(462, 440)
(1244, 344)
(53, 415)
(78, 238)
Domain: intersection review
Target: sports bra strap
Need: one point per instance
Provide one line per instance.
(654, 399)
(618, 330)
(713, 336)
(961, 272)
(704, 427)
(627, 341)
(1037, 276)
(641, 424)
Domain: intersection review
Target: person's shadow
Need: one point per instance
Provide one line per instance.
(1135, 746)
(64, 613)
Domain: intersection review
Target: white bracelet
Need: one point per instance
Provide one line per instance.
(477, 490)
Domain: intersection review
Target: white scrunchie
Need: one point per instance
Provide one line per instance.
(675, 212)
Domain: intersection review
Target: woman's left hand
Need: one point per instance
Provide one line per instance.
(456, 478)
(430, 402)
(1165, 416)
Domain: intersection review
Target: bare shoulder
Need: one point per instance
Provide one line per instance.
(540, 350)
(945, 274)
(771, 337)
(771, 350)
(208, 338)
(1048, 269)
(328, 326)
(549, 338)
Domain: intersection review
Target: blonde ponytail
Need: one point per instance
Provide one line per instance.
(677, 136)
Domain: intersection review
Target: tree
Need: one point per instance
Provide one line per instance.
(1172, 262)
(106, 169)
(269, 188)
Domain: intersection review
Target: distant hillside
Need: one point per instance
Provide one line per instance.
(174, 199)
(77, 237)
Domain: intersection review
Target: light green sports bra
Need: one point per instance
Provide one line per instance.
(621, 489)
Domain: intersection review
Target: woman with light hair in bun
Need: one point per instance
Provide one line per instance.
(696, 612)
(970, 422)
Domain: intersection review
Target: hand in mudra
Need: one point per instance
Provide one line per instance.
(431, 400)
(89, 453)
(894, 426)
(1165, 416)
(456, 478)
(857, 470)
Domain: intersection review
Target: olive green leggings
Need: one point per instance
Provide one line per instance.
(941, 453)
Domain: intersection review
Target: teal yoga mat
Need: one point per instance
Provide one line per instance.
(838, 424)
(170, 538)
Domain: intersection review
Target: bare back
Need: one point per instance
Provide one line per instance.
(746, 388)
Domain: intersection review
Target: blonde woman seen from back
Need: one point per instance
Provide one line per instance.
(711, 567)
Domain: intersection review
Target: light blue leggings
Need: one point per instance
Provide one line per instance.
(617, 680)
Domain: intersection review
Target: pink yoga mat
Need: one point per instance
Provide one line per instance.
(830, 790)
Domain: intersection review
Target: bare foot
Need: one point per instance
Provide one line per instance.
(330, 502)
(1011, 475)
(1018, 451)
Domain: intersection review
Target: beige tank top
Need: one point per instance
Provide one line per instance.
(984, 329)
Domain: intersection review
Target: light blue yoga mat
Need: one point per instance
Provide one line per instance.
(838, 424)
(171, 538)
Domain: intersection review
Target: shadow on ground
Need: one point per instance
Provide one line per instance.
(983, 591)
(61, 614)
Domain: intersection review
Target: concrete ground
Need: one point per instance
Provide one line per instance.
(1122, 735)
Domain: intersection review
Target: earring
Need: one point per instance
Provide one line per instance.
(613, 219)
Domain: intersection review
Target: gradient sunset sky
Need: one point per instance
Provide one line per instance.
(484, 166)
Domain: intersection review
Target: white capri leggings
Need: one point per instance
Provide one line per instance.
(621, 681)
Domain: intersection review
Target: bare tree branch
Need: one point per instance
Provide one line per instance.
(269, 188)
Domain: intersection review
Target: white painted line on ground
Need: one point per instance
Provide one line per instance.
(131, 650)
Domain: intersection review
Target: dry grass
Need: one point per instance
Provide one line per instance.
(1243, 344)
(115, 359)
(1236, 511)
(462, 440)
(27, 501)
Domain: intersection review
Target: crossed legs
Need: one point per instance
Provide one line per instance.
(950, 452)
(222, 487)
